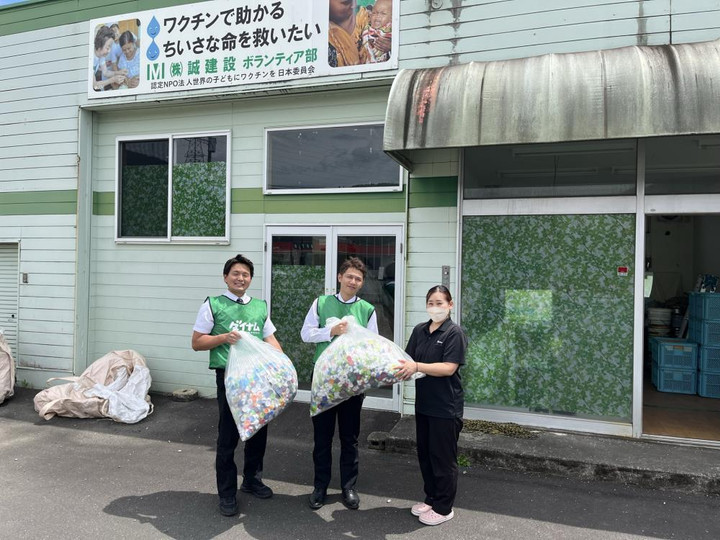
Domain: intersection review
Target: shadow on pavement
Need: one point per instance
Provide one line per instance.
(188, 515)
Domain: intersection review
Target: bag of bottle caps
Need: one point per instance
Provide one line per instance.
(353, 363)
(260, 382)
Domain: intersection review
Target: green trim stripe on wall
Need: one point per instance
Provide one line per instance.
(433, 192)
(103, 203)
(40, 14)
(26, 203)
(253, 201)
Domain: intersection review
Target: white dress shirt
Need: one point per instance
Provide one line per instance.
(311, 331)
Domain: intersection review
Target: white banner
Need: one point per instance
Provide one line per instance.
(229, 43)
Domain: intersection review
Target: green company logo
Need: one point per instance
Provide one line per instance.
(155, 71)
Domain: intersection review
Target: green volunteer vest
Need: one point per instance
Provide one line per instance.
(329, 306)
(230, 315)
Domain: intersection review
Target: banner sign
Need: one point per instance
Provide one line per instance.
(229, 43)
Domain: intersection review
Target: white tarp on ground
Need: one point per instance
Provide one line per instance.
(7, 370)
(114, 386)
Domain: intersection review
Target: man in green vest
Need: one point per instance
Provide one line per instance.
(351, 276)
(217, 327)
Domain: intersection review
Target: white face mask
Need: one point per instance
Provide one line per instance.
(438, 314)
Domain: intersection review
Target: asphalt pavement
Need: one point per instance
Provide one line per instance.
(90, 478)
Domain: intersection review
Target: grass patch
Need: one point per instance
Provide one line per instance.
(498, 428)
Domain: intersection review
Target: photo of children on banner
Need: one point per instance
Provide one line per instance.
(357, 34)
(379, 28)
(103, 77)
(130, 59)
(116, 60)
(115, 51)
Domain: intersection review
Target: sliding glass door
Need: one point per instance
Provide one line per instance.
(303, 263)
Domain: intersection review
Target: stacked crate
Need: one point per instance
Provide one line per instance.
(674, 365)
(704, 329)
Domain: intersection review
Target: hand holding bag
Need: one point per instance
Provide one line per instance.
(353, 363)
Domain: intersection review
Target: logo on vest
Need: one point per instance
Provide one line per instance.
(249, 327)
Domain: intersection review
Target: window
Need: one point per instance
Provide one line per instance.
(574, 169)
(186, 202)
(682, 165)
(553, 334)
(329, 159)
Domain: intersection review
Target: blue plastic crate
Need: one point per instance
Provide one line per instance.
(693, 332)
(676, 353)
(654, 343)
(704, 305)
(704, 332)
(677, 381)
(710, 359)
(708, 333)
(709, 384)
(654, 374)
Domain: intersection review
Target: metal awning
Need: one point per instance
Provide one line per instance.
(609, 94)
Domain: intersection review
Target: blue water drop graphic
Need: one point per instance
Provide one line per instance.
(153, 28)
(153, 51)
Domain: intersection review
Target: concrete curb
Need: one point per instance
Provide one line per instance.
(642, 463)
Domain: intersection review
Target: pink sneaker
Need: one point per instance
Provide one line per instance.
(420, 508)
(431, 517)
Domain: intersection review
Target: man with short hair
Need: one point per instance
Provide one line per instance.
(351, 276)
(217, 327)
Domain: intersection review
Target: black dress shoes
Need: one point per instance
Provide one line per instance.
(350, 499)
(257, 488)
(228, 506)
(317, 498)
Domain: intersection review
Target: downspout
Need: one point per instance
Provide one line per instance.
(83, 235)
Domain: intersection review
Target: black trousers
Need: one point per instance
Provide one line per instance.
(437, 453)
(348, 421)
(227, 441)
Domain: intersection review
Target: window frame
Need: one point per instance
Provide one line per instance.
(169, 239)
(305, 191)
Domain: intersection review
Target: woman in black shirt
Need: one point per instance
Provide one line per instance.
(438, 348)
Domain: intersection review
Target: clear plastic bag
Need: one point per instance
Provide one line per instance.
(353, 363)
(260, 382)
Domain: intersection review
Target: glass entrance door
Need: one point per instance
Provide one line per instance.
(303, 263)
(298, 275)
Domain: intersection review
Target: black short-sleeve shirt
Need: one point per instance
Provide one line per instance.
(438, 396)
